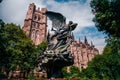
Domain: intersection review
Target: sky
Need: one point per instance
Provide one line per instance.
(78, 11)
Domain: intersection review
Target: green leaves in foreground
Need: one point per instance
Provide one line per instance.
(107, 14)
(72, 73)
(17, 49)
(103, 67)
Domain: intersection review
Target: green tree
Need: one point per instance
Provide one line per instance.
(19, 50)
(1, 36)
(107, 13)
(40, 50)
(112, 45)
(42, 47)
(73, 73)
(107, 20)
(103, 67)
(1, 1)
(2, 48)
(106, 66)
(107, 49)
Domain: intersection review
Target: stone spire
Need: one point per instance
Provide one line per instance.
(72, 36)
(85, 41)
(79, 40)
(92, 44)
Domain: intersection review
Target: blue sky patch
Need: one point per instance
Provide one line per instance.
(78, 11)
(62, 0)
(81, 1)
(90, 32)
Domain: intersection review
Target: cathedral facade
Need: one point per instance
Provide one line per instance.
(83, 53)
(35, 27)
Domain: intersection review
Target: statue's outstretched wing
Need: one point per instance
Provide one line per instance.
(58, 20)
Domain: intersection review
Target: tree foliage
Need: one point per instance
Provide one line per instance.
(112, 45)
(106, 18)
(105, 66)
(1, 35)
(107, 14)
(2, 43)
(1, 1)
(73, 73)
(42, 47)
(17, 50)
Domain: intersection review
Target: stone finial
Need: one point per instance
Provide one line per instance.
(43, 10)
(38, 8)
(32, 3)
(92, 44)
(79, 40)
(85, 41)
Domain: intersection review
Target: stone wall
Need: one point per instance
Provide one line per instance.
(35, 24)
(83, 53)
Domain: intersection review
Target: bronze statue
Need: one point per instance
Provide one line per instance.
(57, 52)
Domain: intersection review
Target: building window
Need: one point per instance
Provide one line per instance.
(33, 24)
(37, 37)
(33, 35)
(35, 17)
(30, 8)
(38, 18)
(82, 66)
(38, 25)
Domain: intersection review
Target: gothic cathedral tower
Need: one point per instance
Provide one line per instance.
(35, 24)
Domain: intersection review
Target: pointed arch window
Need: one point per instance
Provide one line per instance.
(30, 8)
(37, 37)
(33, 24)
(38, 25)
(38, 18)
(33, 35)
(35, 17)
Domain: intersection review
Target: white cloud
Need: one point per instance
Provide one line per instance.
(15, 11)
(100, 48)
(73, 10)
